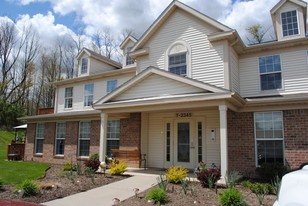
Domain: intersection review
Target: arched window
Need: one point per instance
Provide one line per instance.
(179, 59)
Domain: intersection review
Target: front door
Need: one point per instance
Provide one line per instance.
(183, 144)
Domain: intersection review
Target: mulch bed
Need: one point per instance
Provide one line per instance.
(201, 196)
(57, 184)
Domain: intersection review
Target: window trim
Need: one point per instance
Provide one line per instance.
(298, 26)
(107, 133)
(128, 58)
(82, 72)
(87, 95)
(78, 154)
(108, 88)
(268, 139)
(41, 138)
(56, 138)
(188, 56)
(281, 72)
(67, 98)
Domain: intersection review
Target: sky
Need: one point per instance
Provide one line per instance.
(55, 18)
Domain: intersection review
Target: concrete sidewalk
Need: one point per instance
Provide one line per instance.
(104, 195)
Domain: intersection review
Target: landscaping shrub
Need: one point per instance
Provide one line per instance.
(232, 178)
(117, 167)
(231, 197)
(158, 195)
(260, 189)
(276, 183)
(268, 171)
(93, 164)
(208, 177)
(162, 182)
(94, 157)
(29, 186)
(69, 166)
(176, 173)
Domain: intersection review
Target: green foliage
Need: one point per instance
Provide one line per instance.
(276, 183)
(232, 178)
(187, 186)
(94, 157)
(162, 182)
(78, 169)
(269, 171)
(260, 189)
(231, 197)
(29, 186)
(158, 195)
(9, 114)
(117, 167)
(93, 164)
(208, 177)
(69, 166)
(176, 173)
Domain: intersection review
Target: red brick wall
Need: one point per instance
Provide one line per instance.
(130, 131)
(296, 137)
(95, 136)
(29, 149)
(241, 142)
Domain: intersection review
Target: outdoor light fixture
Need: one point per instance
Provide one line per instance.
(103, 166)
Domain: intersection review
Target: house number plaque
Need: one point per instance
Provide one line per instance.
(183, 114)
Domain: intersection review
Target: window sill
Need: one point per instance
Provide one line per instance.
(38, 155)
(58, 156)
(68, 109)
(83, 158)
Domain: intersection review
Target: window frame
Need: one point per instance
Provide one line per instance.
(268, 139)
(292, 23)
(109, 133)
(67, 98)
(38, 137)
(110, 88)
(178, 65)
(84, 139)
(84, 65)
(87, 95)
(128, 59)
(57, 138)
(269, 73)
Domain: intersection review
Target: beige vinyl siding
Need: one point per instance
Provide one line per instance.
(78, 93)
(156, 85)
(207, 60)
(234, 66)
(98, 66)
(294, 74)
(156, 138)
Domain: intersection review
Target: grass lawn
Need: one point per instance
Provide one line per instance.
(13, 172)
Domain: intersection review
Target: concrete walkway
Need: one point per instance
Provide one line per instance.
(104, 195)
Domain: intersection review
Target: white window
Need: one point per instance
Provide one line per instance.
(177, 64)
(68, 97)
(84, 138)
(60, 139)
(111, 85)
(39, 138)
(88, 94)
(269, 137)
(84, 66)
(113, 135)
(270, 72)
(289, 23)
(129, 60)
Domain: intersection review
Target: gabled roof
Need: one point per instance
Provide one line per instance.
(165, 15)
(126, 40)
(99, 57)
(198, 88)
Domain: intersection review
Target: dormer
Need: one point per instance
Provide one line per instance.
(289, 19)
(90, 62)
(126, 47)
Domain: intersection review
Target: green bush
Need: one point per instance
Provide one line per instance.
(117, 167)
(29, 186)
(93, 164)
(158, 195)
(260, 189)
(231, 197)
(69, 166)
(208, 177)
(232, 178)
(94, 157)
(269, 171)
(175, 174)
(162, 182)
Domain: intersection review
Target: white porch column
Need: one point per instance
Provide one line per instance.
(223, 141)
(103, 134)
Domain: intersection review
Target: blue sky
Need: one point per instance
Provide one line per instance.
(55, 18)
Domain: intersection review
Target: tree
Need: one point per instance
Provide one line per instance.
(104, 43)
(257, 34)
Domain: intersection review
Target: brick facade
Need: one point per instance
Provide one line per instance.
(71, 142)
(241, 142)
(296, 137)
(130, 132)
